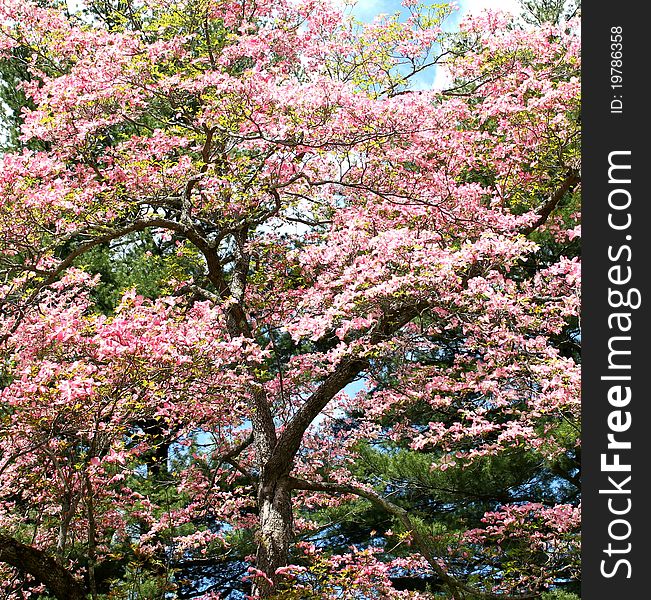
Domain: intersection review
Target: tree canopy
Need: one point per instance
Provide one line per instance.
(274, 323)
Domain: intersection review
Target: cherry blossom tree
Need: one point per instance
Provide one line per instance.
(326, 235)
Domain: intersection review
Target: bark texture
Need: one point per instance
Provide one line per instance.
(275, 535)
(59, 581)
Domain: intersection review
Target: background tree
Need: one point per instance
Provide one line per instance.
(539, 12)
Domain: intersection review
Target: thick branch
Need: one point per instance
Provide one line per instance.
(43, 568)
(290, 439)
(571, 180)
(232, 294)
(236, 450)
(421, 540)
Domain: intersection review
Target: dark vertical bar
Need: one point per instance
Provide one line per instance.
(616, 275)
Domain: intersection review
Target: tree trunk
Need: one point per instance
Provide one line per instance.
(59, 581)
(275, 534)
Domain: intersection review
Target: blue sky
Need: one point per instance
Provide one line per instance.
(367, 9)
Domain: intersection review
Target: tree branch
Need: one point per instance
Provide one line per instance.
(421, 540)
(571, 180)
(139, 225)
(290, 439)
(42, 567)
